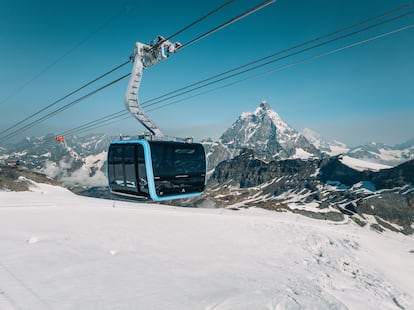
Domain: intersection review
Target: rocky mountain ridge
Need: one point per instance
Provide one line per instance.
(321, 188)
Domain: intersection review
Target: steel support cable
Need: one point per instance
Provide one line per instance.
(65, 107)
(92, 123)
(282, 58)
(63, 98)
(100, 124)
(200, 19)
(105, 74)
(47, 68)
(191, 42)
(231, 21)
(112, 70)
(286, 50)
(147, 104)
(227, 23)
(168, 38)
(280, 68)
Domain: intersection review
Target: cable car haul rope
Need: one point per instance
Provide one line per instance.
(297, 49)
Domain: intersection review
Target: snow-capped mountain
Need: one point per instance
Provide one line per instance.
(264, 132)
(330, 147)
(76, 161)
(373, 152)
(268, 135)
(384, 154)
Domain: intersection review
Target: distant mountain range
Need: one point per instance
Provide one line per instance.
(271, 165)
(261, 161)
(372, 152)
(77, 162)
(330, 147)
(262, 131)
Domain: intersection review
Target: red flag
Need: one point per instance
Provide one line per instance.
(60, 138)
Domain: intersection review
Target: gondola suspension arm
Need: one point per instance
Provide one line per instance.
(144, 56)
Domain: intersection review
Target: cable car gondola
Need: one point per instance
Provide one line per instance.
(157, 170)
(153, 167)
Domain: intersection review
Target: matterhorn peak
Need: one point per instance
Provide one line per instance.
(262, 109)
(265, 105)
(267, 134)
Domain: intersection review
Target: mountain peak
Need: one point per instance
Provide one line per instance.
(264, 105)
(267, 134)
(262, 109)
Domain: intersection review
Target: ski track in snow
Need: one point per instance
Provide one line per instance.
(86, 253)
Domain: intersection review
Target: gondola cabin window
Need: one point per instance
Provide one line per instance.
(178, 167)
(126, 169)
(156, 169)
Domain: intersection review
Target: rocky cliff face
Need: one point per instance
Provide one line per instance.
(321, 188)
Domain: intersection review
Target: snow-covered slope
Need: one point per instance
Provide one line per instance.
(361, 165)
(62, 251)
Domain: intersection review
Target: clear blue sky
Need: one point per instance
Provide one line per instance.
(358, 95)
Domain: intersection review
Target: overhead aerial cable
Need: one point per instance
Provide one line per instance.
(200, 19)
(148, 102)
(65, 107)
(272, 61)
(68, 52)
(63, 98)
(145, 56)
(92, 123)
(229, 22)
(353, 26)
(82, 87)
(280, 68)
(151, 101)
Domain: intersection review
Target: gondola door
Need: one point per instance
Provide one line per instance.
(141, 171)
(126, 169)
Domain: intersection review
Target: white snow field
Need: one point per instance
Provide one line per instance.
(62, 251)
